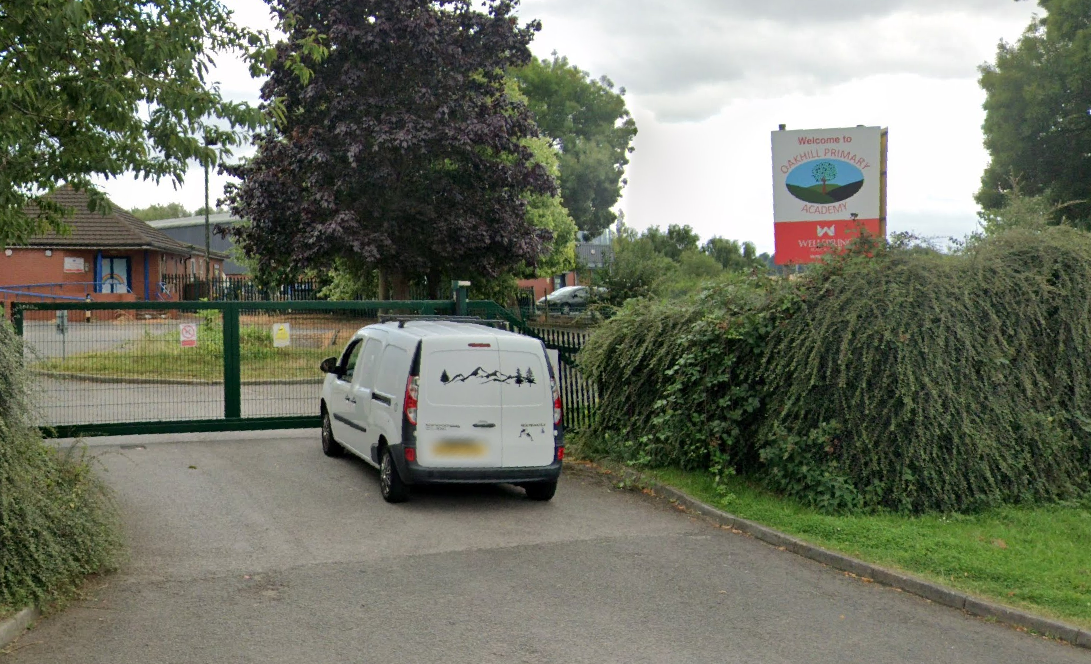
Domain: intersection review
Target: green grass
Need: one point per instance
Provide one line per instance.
(161, 356)
(1033, 558)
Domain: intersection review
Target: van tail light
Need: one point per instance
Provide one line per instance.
(560, 454)
(412, 391)
(557, 409)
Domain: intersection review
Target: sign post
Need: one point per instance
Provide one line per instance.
(829, 185)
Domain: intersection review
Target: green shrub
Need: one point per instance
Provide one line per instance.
(957, 382)
(892, 377)
(57, 521)
(676, 380)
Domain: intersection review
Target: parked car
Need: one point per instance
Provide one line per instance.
(443, 401)
(569, 299)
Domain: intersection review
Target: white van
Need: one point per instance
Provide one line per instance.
(441, 401)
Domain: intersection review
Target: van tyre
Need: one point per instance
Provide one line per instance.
(542, 491)
(330, 447)
(391, 486)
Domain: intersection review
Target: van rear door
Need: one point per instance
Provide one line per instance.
(528, 403)
(459, 414)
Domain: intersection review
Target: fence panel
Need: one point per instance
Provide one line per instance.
(159, 367)
(279, 354)
(578, 394)
(145, 367)
(96, 366)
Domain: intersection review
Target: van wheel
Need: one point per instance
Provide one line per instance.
(541, 490)
(330, 447)
(391, 486)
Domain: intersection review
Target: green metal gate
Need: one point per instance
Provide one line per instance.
(115, 368)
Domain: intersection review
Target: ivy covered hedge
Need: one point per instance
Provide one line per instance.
(893, 377)
(57, 522)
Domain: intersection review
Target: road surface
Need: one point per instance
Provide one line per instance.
(266, 551)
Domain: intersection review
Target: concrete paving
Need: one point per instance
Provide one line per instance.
(264, 550)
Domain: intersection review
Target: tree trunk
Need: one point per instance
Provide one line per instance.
(399, 283)
(384, 292)
(435, 287)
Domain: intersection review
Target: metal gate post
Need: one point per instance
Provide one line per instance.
(17, 318)
(232, 358)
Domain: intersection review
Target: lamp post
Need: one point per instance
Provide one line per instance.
(209, 142)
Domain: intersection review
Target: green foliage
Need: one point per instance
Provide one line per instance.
(955, 382)
(1017, 211)
(168, 211)
(547, 212)
(733, 255)
(590, 124)
(892, 377)
(57, 521)
(1036, 105)
(677, 381)
(635, 270)
(675, 242)
(806, 468)
(79, 80)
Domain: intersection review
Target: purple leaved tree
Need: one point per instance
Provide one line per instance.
(397, 147)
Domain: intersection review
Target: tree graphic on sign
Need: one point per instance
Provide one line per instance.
(444, 378)
(824, 172)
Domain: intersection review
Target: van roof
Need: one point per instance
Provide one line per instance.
(442, 328)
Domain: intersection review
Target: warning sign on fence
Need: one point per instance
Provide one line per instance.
(188, 334)
(282, 335)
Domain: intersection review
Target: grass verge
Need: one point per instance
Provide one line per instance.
(162, 356)
(1032, 558)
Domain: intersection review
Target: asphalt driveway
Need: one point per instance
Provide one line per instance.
(263, 550)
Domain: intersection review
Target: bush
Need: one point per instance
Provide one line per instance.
(955, 382)
(892, 377)
(676, 380)
(57, 522)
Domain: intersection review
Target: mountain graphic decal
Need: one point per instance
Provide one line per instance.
(481, 376)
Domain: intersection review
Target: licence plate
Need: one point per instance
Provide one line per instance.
(458, 448)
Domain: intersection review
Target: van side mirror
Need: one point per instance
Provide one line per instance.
(329, 365)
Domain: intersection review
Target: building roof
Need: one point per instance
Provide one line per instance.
(593, 255)
(93, 230)
(221, 219)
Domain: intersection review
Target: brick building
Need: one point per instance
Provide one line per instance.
(113, 258)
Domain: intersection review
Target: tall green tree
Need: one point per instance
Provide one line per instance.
(1038, 113)
(673, 243)
(589, 123)
(733, 255)
(401, 150)
(106, 88)
(156, 211)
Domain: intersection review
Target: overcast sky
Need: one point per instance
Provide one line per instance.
(707, 80)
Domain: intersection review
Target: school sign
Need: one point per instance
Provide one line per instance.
(828, 184)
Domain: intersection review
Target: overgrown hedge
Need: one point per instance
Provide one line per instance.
(894, 377)
(57, 522)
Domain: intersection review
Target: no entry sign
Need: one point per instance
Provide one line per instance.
(187, 332)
